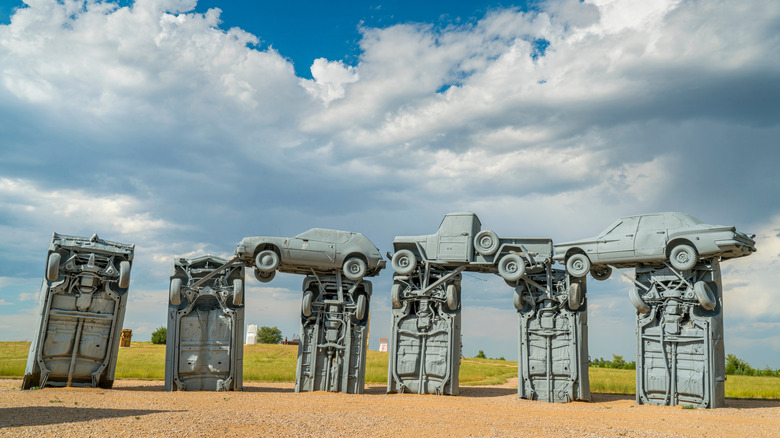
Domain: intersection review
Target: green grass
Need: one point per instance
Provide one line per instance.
(277, 363)
(13, 358)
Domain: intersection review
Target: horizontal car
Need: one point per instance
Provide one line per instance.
(316, 250)
(678, 238)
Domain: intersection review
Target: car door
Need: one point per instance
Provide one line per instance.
(617, 244)
(312, 249)
(651, 236)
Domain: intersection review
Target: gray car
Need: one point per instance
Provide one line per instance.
(678, 238)
(317, 250)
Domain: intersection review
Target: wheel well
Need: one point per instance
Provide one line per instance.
(573, 251)
(361, 256)
(676, 242)
(265, 246)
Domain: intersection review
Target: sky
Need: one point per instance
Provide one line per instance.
(183, 127)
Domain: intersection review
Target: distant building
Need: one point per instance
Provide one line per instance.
(382, 344)
(251, 334)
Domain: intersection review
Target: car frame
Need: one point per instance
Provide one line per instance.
(82, 308)
(654, 238)
(317, 250)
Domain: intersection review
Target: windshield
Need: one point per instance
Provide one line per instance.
(610, 227)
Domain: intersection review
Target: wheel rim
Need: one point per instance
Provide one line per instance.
(486, 242)
(511, 267)
(683, 258)
(578, 265)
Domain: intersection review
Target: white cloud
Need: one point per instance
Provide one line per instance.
(154, 124)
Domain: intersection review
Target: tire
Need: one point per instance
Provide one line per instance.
(395, 295)
(601, 273)
(404, 262)
(53, 266)
(704, 295)
(174, 293)
(354, 269)
(637, 301)
(360, 310)
(452, 297)
(578, 265)
(486, 242)
(575, 296)
(517, 299)
(238, 292)
(511, 267)
(124, 274)
(264, 277)
(306, 303)
(683, 257)
(267, 260)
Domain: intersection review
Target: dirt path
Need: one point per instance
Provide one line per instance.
(141, 408)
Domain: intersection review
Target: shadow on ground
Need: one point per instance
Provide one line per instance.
(48, 415)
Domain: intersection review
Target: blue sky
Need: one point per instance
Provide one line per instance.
(183, 129)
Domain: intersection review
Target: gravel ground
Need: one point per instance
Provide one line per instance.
(142, 408)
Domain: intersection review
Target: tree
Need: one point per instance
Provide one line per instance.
(481, 355)
(269, 335)
(160, 335)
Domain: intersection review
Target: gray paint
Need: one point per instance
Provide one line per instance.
(680, 351)
(425, 333)
(334, 335)
(652, 239)
(320, 250)
(82, 307)
(204, 348)
(424, 349)
(553, 338)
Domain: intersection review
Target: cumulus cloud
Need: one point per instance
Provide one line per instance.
(155, 123)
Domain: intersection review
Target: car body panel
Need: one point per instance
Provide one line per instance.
(633, 240)
(204, 345)
(318, 249)
(81, 314)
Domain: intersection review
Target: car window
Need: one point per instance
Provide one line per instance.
(687, 219)
(652, 222)
(611, 227)
(625, 227)
(673, 222)
(323, 235)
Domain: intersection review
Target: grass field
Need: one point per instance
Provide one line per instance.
(276, 363)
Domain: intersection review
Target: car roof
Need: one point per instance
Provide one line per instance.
(683, 216)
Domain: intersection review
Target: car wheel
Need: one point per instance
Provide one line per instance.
(53, 266)
(486, 242)
(174, 293)
(238, 292)
(518, 297)
(683, 257)
(601, 273)
(264, 277)
(360, 311)
(637, 301)
(578, 265)
(124, 274)
(395, 295)
(306, 303)
(575, 296)
(354, 269)
(267, 260)
(452, 297)
(511, 267)
(404, 262)
(704, 295)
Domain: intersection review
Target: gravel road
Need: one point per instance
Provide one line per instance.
(142, 408)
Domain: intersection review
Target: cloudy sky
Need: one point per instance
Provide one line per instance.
(183, 128)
